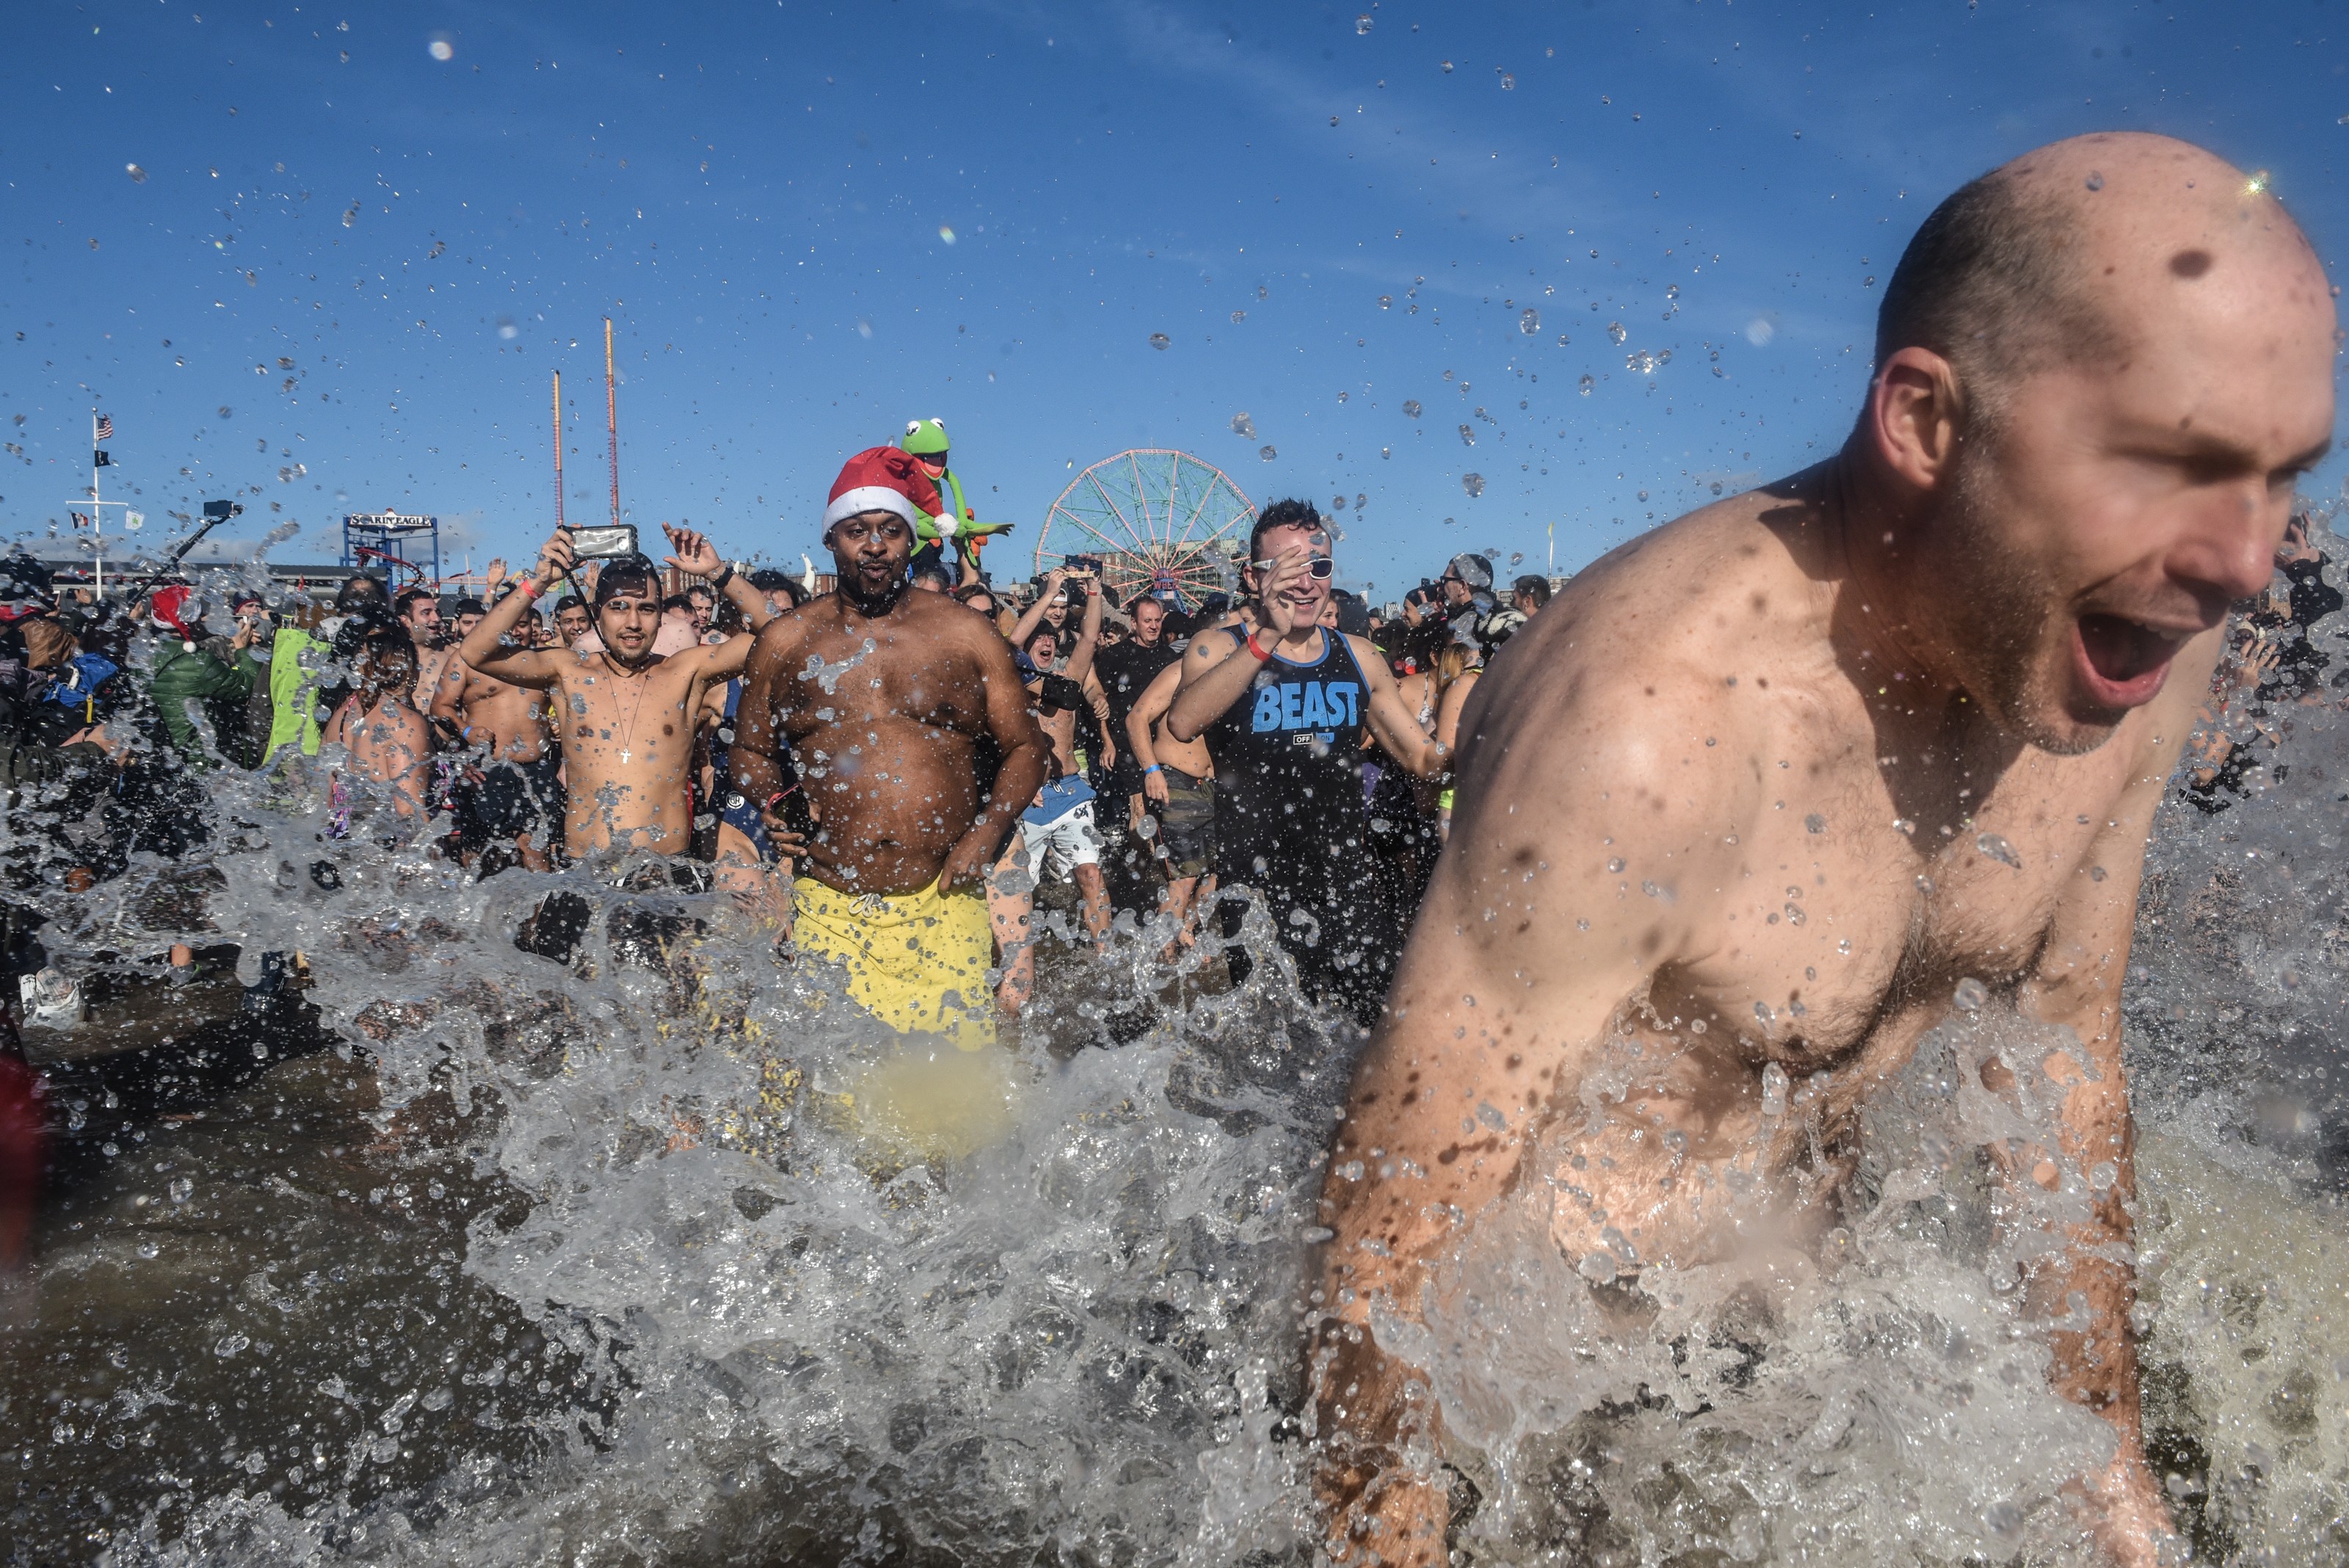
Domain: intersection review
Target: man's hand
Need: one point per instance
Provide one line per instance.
(2133, 1523)
(1288, 569)
(967, 863)
(245, 637)
(495, 575)
(1154, 784)
(555, 558)
(696, 556)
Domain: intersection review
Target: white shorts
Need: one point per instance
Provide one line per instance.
(1059, 847)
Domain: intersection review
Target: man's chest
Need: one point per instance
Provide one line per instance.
(1844, 914)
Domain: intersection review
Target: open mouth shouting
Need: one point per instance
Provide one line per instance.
(2123, 662)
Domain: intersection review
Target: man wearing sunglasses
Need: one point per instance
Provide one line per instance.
(1284, 705)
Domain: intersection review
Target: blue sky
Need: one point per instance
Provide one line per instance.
(758, 195)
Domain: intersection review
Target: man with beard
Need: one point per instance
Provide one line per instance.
(1771, 789)
(887, 697)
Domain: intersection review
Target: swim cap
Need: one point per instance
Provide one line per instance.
(925, 437)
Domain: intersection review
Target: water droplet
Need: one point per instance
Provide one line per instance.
(1362, 24)
(1244, 426)
(1615, 864)
(181, 1190)
(1337, 504)
(1386, 302)
(1998, 849)
(1474, 484)
(1467, 436)
(1447, 68)
(1238, 317)
(441, 49)
(1584, 384)
(1815, 823)
(1267, 453)
(1759, 332)
(1508, 82)
(1411, 407)
(1970, 995)
(1517, 557)
(1773, 1089)
(1598, 1267)
(1616, 333)
(946, 233)
(1529, 321)
(137, 175)
(2095, 180)
(1159, 340)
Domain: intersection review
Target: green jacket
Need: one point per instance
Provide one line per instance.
(182, 675)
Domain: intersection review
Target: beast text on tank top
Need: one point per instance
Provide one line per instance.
(1289, 757)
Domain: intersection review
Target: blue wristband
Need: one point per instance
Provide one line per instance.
(1151, 769)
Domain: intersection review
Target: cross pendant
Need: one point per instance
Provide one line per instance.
(623, 755)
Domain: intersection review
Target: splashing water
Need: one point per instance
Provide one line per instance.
(400, 1244)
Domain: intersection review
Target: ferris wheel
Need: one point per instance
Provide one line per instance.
(1156, 518)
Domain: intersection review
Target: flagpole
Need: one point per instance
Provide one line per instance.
(612, 419)
(558, 449)
(96, 508)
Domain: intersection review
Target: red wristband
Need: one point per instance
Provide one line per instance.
(1262, 654)
(528, 588)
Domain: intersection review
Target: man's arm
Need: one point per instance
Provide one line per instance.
(696, 555)
(1081, 662)
(1026, 756)
(1033, 617)
(1524, 954)
(447, 704)
(1097, 699)
(1148, 709)
(2078, 984)
(518, 667)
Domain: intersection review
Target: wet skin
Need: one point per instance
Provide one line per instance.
(1743, 796)
(509, 719)
(626, 712)
(388, 743)
(887, 756)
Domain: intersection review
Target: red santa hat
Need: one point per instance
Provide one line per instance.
(176, 609)
(883, 479)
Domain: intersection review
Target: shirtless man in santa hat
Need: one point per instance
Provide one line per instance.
(886, 700)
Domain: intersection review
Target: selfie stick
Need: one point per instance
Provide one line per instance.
(215, 513)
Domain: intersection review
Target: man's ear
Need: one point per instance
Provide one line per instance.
(1916, 417)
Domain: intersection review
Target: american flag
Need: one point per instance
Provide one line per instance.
(105, 427)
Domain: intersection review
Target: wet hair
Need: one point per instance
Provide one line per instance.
(361, 591)
(678, 602)
(1991, 282)
(408, 597)
(471, 607)
(1533, 586)
(932, 571)
(382, 665)
(634, 572)
(1140, 600)
(568, 602)
(1288, 513)
(769, 580)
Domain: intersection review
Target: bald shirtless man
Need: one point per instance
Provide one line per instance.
(1926, 694)
(886, 698)
(627, 731)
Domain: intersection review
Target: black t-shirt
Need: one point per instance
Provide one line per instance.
(1126, 670)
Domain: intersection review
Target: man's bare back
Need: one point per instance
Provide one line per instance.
(885, 717)
(1745, 807)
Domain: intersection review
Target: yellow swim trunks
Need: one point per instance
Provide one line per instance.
(917, 961)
